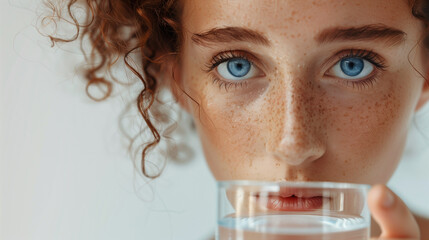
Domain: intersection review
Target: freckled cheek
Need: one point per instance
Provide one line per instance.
(236, 129)
(231, 140)
(375, 125)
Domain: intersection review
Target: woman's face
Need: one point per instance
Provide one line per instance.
(301, 90)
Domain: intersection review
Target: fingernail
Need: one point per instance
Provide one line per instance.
(388, 199)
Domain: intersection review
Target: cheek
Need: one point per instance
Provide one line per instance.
(369, 135)
(370, 119)
(231, 135)
(228, 126)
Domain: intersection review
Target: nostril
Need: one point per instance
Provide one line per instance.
(295, 160)
(313, 158)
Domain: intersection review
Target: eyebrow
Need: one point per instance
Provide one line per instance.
(229, 34)
(375, 32)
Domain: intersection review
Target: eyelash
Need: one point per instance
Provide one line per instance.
(223, 57)
(368, 55)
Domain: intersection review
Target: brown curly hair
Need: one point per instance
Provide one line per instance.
(117, 28)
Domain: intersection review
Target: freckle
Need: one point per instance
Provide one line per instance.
(344, 173)
(338, 129)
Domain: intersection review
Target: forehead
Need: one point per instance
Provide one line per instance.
(292, 16)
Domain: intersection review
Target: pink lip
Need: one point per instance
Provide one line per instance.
(298, 192)
(293, 199)
(294, 203)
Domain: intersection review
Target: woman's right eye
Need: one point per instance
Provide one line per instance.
(237, 69)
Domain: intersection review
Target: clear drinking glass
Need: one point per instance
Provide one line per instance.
(254, 210)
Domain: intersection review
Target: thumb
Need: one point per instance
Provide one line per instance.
(391, 213)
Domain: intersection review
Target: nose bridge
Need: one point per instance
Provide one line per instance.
(297, 139)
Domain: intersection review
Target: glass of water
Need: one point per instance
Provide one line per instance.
(292, 210)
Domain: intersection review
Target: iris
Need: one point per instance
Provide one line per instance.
(352, 66)
(238, 67)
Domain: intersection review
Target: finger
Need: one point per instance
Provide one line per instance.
(394, 238)
(391, 213)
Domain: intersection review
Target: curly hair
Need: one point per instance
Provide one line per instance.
(117, 28)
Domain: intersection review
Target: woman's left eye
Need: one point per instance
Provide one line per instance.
(352, 68)
(236, 69)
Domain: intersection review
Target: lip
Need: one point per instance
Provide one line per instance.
(294, 203)
(298, 192)
(293, 199)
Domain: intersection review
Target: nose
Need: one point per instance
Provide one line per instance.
(297, 129)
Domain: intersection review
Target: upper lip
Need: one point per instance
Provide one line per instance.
(297, 192)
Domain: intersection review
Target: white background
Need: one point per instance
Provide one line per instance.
(64, 168)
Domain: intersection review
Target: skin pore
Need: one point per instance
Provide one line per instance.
(296, 116)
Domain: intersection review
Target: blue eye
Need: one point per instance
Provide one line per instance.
(236, 69)
(352, 68)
